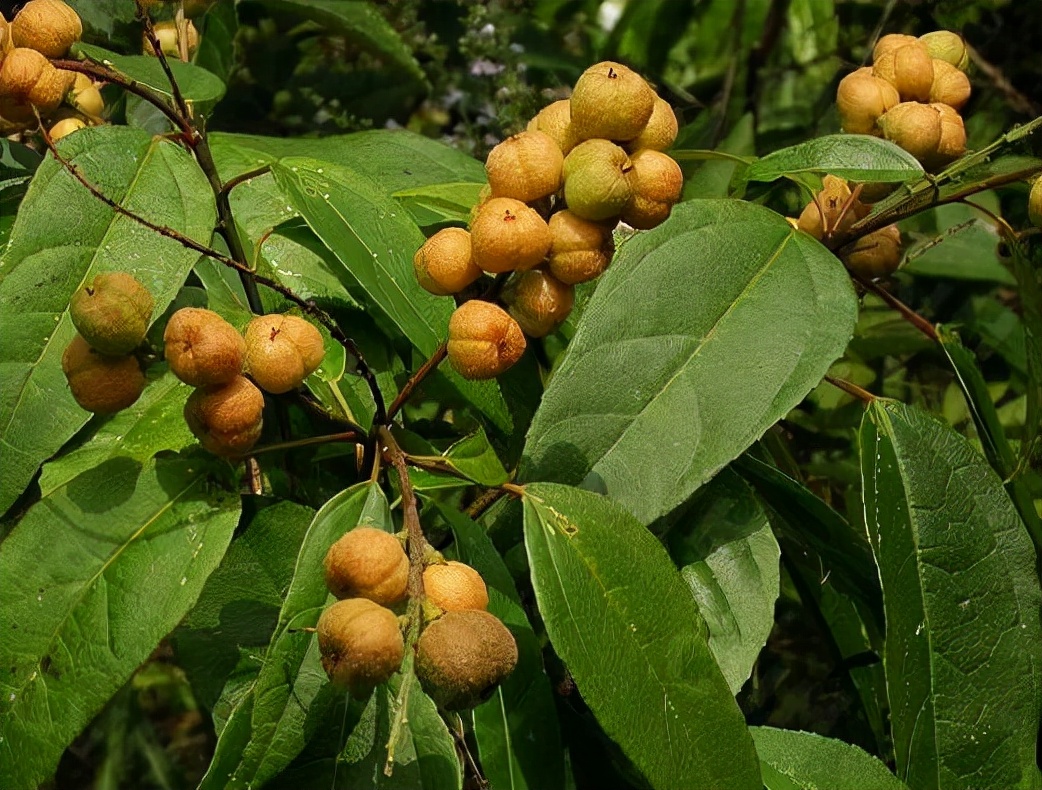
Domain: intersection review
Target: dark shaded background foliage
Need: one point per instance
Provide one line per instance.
(748, 75)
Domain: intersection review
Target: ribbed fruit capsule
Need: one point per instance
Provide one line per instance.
(1035, 203)
(361, 645)
(660, 132)
(48, 26)
(367, 563)
(539, 302)
(861, 99)
(875, 255)
(950, 86)
(656, 183)
(484, 341)
(952, 144)
(596, 180)
(556, 120)
(226, 418)
(99, 383)
(525, 167)
(281, 351)
(580, 250)
(202, 348)
(612, 102)
(507, 235)
(454, 586)
(829, 211)
(445, 263)
(915, 127)
(947, 46)
(112, 312)
(890, 42)
(909, 69)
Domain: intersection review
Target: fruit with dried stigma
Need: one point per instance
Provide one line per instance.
(367, 563)
(113, 311)
(484, 341)
(361, 644)
(596, 182)
(202, 348)
(507, 235)
(526, 167)
(611, 102)
(281, 351)
(445, 263)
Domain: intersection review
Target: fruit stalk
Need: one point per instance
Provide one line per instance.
(417, 543)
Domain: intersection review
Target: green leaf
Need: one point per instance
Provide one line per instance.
(198, 86)
(729, 559)
(285, 697)
(95, 575)
(440, 203)
(856, 157)
(373, 239)
(703, 333)
(64, 236)
(622, 619)
(962, 599)
(517, 731)
(793, 760)
(964, 251)
(472, 457)
(153, 424)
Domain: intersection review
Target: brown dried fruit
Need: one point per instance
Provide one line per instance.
(915, 127)
(361, 645)
(580, 250)
(48, 26)
(596, 183)
(484, 341)
(525, 167)
(947, 46)
(861, 99)
(875, 255)
(227, 418)
(99, 383)
(368, 563)
(656, 182)
(950, 86)
(445, 263)
(281, 351)
(611, 102)
(539, 302)
(454, 586)
(507, 235)
(660, 132)
(112, 312)
(462, 656)
(556, 120)
(202, 348)
(909, 69)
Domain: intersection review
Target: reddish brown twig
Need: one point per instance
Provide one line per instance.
(850, 388)
(907, 313)
(424, 370)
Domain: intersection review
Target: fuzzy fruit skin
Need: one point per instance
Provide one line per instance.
(5, 36)
(580, 250)
(484, 340)
(950, 86)
(875, 255)
(861, 99)
(227, 418)
(823, 213)
(656, 182)
(361, 645)
(889, 43)
(952, 144)
(555, 120)
(367, 563)
(454, 587)
(274, 357)
(202, 348)
(445, 263)
(596, 183)
(915, 127)
(20, 70)
(507, 235)
(612, 102)
(1035, 203)
(909, 69)
(100, 383)
(660, 132)
(48, 26)
(525, 167)
(462, 656)
(50, 90)
(112, 312)
(539, 302)
(308, 340)
(947, 46)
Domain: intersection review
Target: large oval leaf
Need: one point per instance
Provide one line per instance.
(855, 156)
(703, 334)
(963, 653)
(63, 236)
(94, 576)
(624, 622)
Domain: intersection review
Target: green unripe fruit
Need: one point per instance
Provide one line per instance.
(112, 312)
(282, 351)
(202, 348)
(890, 42)
(875, 255)
(484, 341)
(453, 587)
(909, 69)
(555, 120)
(525, 167)
(539, 302)
(445, 263)
(610, 102)
(580, 250)
(950, 86)
(361, 645)
(861, 99)
(656, 182)
(166, 32)
(86, 97)
(462, 656)
(48, 26)
(1035, 203)
(661, 130)
(596, 183)
(368, 563)
(507, 235)
(227, 418)
(915, 127)
(99, 383)
(947, 46)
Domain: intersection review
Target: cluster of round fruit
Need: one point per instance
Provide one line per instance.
(555, 193)
(463, 652)
(278, 351)
(911, 95)
(44, 29)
